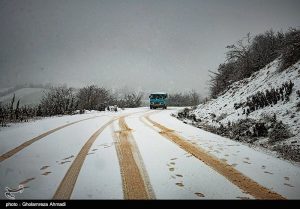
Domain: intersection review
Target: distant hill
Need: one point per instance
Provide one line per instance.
(27, 96)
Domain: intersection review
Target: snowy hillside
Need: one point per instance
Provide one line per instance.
(27, 96)
(232, 107)
(3, 90)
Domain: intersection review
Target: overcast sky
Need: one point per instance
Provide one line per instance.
(152, 45)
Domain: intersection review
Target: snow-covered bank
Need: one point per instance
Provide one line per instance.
(232, 107)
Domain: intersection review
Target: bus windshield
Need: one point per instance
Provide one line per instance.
(158, 96)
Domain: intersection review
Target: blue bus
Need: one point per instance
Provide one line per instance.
(158, 100)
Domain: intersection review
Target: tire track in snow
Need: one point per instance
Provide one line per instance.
(66, 187)
(243, 182)
(17, 149)
(136, 183)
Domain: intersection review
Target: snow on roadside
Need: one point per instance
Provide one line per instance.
(175, 174)
(278, 175)
(16, 134)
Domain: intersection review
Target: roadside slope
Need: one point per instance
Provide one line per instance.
(251, 110)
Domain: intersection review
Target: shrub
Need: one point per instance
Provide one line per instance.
(58, 100)
(290, 52)
(191, 98)
(241, 127)
(93, 98)
(249, 55)
(221, 117)
(184, 113)
(298, 106)
(279, 132)
(268, 118)
(298, 93)
(131, 100)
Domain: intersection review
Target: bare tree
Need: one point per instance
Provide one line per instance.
(291, 48)
(57, 100)
(191, 98)
(131, 100)
(12, 107)
(264, 48)
(249, 55)
(194, 98)
(17, 110)
(93, 98)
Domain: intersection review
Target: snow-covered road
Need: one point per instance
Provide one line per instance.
(136, 154)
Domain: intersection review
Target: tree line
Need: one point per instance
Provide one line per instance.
(191, 98)
(250, 54)
(61, 100)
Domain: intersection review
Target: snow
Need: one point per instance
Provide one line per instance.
(159, 93)
(158, 152)
(27, 96)
(259, 81)
(100, 177)
(46, 152)
(5, 89)
(240, 154)
(266, 78)
(49, 151)
(32, 129)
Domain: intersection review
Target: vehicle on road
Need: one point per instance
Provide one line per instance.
(158, 100)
